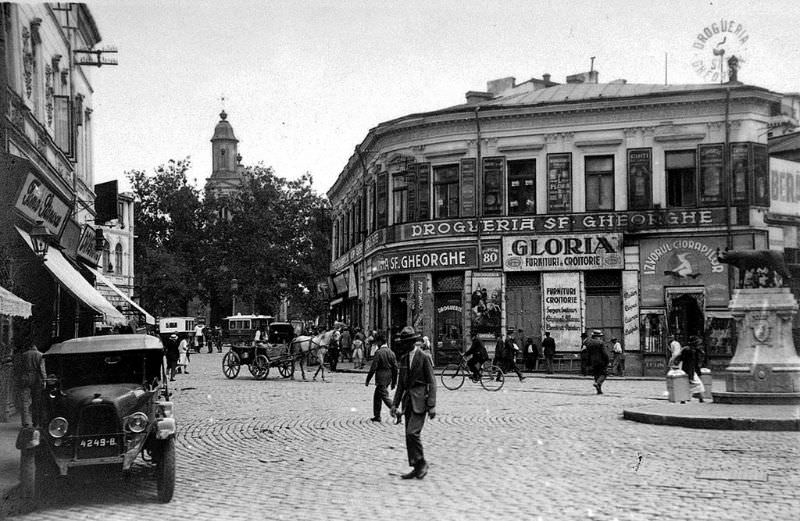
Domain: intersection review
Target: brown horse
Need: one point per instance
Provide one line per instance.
(317, 345)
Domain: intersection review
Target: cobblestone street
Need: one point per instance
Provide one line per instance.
(546, 448)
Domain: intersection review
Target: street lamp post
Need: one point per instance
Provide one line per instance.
(234, 289)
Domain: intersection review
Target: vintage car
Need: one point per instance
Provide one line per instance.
(106, 402)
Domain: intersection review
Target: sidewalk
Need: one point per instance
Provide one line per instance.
(9, 464)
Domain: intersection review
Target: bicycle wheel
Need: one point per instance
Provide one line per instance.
(492, 378)
(452, 377)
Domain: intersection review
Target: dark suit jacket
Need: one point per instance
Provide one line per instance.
(384, 367)
(417, 385)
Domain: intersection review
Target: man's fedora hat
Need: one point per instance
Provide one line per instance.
(597, 332)
(408, 334)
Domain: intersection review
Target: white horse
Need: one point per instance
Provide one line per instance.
(317, 345)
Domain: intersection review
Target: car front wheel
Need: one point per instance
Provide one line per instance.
(166, 471)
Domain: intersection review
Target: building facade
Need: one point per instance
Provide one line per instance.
(46, 158)
(560, 208)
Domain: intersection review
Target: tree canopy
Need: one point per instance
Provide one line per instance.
(273, 238)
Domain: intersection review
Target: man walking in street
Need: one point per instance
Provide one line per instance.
(416, 391)
(598, 359)
(29, 376)
(511, 352)
(384, 367)
(549, 347)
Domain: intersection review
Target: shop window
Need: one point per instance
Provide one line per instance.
(760, 175)
(400, 198)
(710, 174)
(522, 187)
(118, 259)
(559, 183)
(492, 186)
(599, 173)
(63, 123)
(446, 192)
(740, 167)
(680, 171)
(640, 179)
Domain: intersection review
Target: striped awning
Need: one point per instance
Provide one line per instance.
(12, 305)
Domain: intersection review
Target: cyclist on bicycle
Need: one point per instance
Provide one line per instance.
(477, 355)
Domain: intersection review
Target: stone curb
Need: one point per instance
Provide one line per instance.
(738, 423)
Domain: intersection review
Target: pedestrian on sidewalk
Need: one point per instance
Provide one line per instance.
(346, 344)
(358, 350)
(384, 367)
(549, 346)
(183, 358)
(333, 349)
(499, 358)
(598, 359)
(172, 352)
(29, 377)
(690, 358)
(511, 351)
(617, 358)
(198, 337)
(416, 392)
(372, 346)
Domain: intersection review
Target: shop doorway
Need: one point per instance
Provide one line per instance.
(448, 324)
(524, 304)
(685, 315)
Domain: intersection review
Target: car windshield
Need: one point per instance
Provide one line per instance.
(137, 367)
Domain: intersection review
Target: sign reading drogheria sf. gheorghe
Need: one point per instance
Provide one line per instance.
(718, 42)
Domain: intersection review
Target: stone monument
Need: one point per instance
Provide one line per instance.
(765, 368)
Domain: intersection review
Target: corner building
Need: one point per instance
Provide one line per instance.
(557, 207)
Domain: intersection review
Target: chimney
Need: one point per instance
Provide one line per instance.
(500, 85)
(475, 96)
(546, 78)
(583, 77)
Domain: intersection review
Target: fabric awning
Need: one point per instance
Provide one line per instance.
(79, 287)
(148, 318)
(12, 305)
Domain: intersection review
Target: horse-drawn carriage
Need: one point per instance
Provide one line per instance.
(260, 354)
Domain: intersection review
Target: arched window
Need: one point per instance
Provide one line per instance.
(118, 259)
(106, 258)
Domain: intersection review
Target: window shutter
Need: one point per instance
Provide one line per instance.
(411, 182)
(423, 191)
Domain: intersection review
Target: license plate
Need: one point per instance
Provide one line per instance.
(98, 446)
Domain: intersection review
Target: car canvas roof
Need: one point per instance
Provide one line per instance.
(105, 344)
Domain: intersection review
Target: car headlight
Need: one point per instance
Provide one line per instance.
(58, 427)
(136, 422)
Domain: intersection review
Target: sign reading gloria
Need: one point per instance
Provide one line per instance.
(39, 203)
(563, 252)
(445, 258)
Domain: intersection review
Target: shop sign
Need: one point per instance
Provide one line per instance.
(784, 182)
(490, 255)
(340, 283)
(683, 261)
(603, 222)
(351, 283)
(630, 310)
(70, 239)
(374, 240)
(419, 288)
(352, 255)
(563, 252)
(39, 203)
(86, 246)
(561, 297)
(442, 258)
(486, 303)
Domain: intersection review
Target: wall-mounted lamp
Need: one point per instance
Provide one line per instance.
(40, 238)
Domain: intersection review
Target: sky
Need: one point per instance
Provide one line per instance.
(304, 82)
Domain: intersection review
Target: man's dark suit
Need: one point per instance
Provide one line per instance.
(384, 367)
(416, 391)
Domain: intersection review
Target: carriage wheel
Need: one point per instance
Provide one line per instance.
(286, 369)
(452, 377)
(492, 378)
(231, 364)
(259, 368)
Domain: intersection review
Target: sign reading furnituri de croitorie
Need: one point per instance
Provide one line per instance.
(563, 252)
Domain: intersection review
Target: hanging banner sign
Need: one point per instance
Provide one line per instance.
(39, 203)
(630, 310)
(784, 183)
(563, 252)
(561, 298)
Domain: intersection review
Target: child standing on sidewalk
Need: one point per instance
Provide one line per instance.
(183, 357)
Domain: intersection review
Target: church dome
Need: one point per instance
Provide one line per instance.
(223, 130)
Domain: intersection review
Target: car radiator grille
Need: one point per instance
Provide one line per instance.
(98, 419)
(98, 434)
